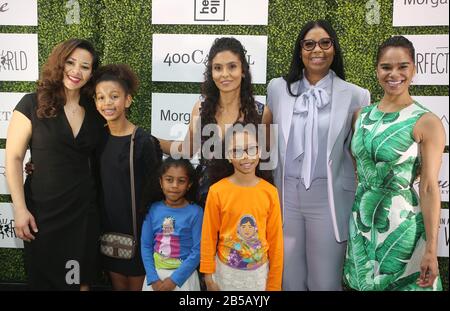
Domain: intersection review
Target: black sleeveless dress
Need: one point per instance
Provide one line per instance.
(61, 195)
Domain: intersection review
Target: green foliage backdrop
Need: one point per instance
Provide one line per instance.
(122, 32)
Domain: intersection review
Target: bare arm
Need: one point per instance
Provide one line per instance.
(186, 147)
(429, 133)
(267, 120)
(356, 115)
(18, 137)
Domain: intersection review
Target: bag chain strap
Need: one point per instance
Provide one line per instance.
(133, 194)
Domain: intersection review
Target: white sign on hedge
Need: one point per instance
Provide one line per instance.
(443, 234)
(7, 103)
(8, 237)
(214, 12)
(439, 106)
(3, 184)
(420, 13)
(443, 179)
(181, 58)
(432, 59)
(18, 57)
(171, 114)
(18, 12)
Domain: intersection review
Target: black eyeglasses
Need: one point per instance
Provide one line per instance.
(309, 45)
(238, 153)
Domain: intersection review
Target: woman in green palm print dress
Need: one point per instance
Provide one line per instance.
(393, 233)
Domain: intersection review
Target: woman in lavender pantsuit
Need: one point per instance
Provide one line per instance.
(314, 108)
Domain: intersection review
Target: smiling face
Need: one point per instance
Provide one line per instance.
(243, 153)
(247, 230)
(77, 69)
(317, 61)
(395, 70)
(227, 71)
(111, 100)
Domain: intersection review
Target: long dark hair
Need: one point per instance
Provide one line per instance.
(211, 93)
(221, 168)
(296, 69)
(50, 90)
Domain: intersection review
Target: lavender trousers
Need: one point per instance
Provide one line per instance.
(313, 259)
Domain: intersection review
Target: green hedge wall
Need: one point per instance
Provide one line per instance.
(122, 32)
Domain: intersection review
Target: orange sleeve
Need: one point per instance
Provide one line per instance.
(274, 232)
(210, 230)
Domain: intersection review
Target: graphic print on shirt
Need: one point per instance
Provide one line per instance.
(167, 246)
(245, 250)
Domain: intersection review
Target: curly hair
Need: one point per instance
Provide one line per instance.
(296, 69)
(191, 194)
(120, 73)
(211, 93)
(50, 89)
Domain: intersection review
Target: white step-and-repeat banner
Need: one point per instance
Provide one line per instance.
(443, 179)
(219, 12)
(18, 12)
(420, 13)
(18, 57)
(443, 234)
(432, 59)
(8, 102)
(3, 184)
(181, 58)
(7, 234)
(439, 106)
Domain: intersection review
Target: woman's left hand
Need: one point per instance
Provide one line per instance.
(428, 270)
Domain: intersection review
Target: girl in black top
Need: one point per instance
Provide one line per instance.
(115, 85)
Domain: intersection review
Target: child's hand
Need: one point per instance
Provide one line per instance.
(167, 285)
(29, 167)
(213, 287)
(157, 285)
(210, 284)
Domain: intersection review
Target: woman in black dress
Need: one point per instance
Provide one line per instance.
(55, 211)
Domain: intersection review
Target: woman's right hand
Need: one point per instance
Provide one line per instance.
(23, 220)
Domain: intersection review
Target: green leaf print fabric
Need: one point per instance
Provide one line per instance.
(387, 233)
